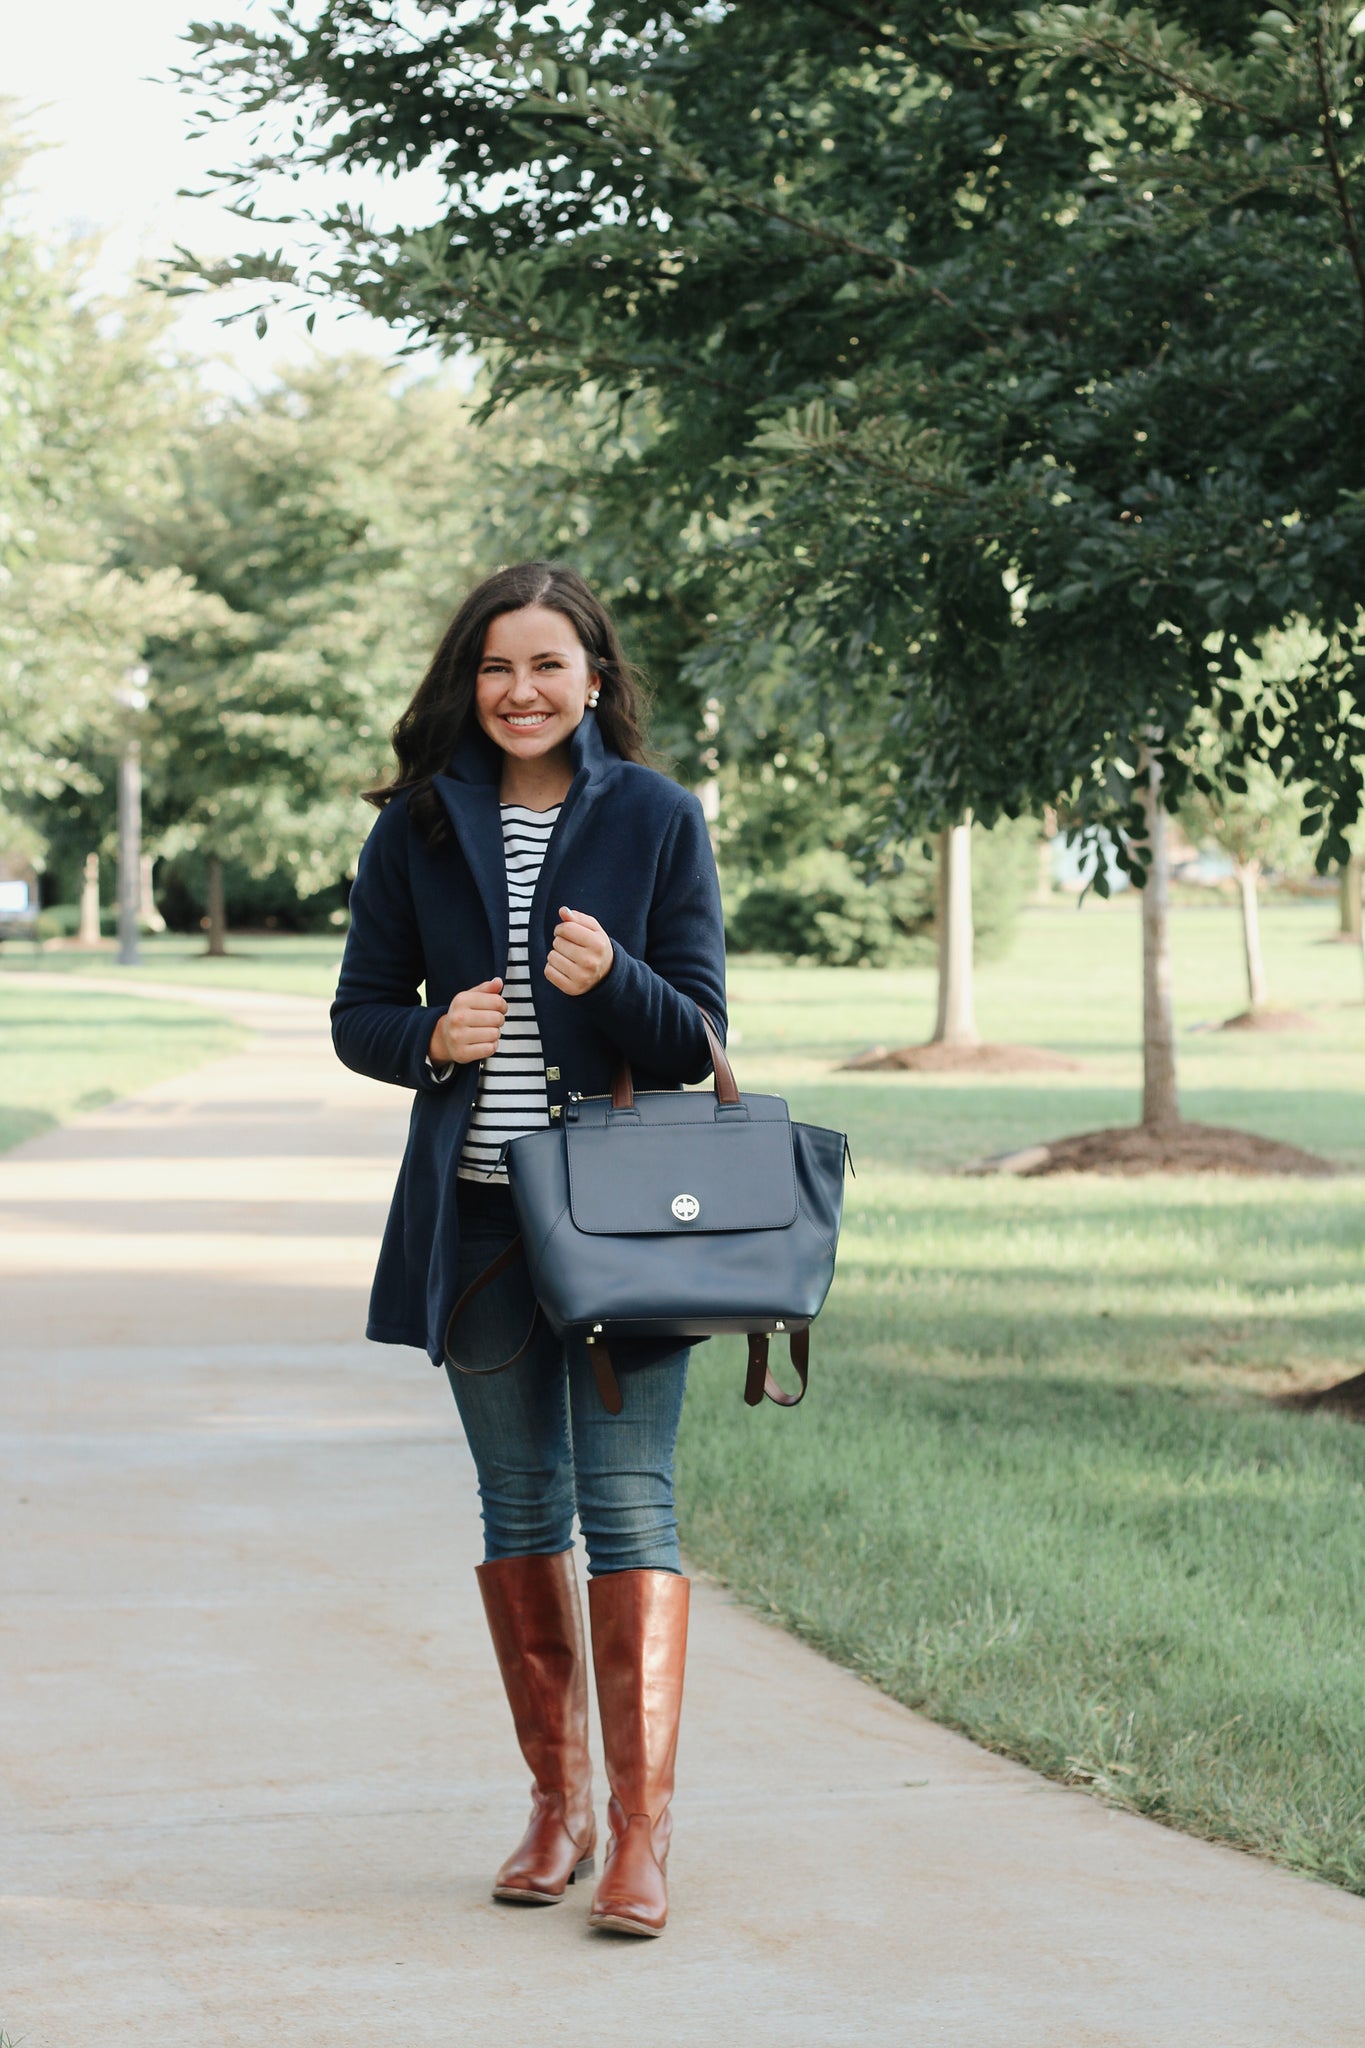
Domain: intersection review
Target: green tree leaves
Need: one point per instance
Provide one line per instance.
(1006, 370)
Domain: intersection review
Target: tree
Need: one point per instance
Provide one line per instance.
(1247, 810)
(336, 522)
(658, 329)
(955, 1023)
(1160, 1096)
(704, 205)
(982, 351)
(89, 405)
(296, 515)
(1351, 879)
(1258, 821)
(1260, 827)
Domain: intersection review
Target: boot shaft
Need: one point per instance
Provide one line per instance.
(535, 1619)
(639, 1649)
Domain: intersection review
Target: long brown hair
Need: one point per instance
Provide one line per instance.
(429, 730)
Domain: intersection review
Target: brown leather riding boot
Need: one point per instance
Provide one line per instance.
(639, 1647)
(536, 1624)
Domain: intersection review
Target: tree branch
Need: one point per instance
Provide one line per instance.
(1344, 207)
(891, 266)
(513, 330)
(1111, 49)
(879, 31)
(696, 174)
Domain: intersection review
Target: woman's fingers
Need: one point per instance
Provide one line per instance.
(581, 934)
(473, 1022)
(568, 975)
(576, 945)
(486, 1000)
(581, 954)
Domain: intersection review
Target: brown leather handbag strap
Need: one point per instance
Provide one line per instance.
(608, 1386)
(727, 1088)
(759, 1379)
(490, 1273)
(604, 1372)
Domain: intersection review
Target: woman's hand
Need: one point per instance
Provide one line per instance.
(470, 1027)
(581, 955)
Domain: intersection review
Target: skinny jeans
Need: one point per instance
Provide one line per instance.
(544, 1447)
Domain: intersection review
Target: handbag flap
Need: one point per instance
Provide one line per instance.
(656, 1178)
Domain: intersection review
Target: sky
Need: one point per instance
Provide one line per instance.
(91, 81)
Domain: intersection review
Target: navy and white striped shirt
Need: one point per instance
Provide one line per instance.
(511, 1098)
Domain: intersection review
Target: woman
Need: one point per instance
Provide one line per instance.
(557, 900)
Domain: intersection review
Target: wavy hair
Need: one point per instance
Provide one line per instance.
(442, 707)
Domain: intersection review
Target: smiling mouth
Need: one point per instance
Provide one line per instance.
(525, 721)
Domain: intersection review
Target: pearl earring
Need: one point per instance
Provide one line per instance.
(593, 696)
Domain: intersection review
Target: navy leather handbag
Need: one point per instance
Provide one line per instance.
(670, 1214)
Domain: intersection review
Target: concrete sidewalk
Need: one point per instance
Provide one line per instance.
(257, 1767)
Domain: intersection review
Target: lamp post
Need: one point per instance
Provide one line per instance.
(133, 698)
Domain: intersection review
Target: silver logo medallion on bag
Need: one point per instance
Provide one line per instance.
(686, 1208)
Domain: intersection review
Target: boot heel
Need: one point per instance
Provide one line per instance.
(583, 1869)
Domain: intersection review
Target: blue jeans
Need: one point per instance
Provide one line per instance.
(543, 1445)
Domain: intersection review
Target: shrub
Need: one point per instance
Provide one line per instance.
(819, 907)
(63, 921)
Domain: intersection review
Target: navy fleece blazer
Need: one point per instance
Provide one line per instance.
(631, 848)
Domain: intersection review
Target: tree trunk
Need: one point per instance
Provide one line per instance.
(152, 920)
(956, 1023)
(89, 931)
(129, 851)
(1350, 880)
(1248, 875)
(1160, 1101)
(708, 795)
(1042, 892)
(217, 910)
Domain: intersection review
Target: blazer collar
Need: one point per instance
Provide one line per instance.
(478, 760)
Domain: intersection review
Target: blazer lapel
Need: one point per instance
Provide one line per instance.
(591, 775)
(472, 808)
(471, 801)
(569, 828)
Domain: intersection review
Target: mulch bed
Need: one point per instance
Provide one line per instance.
(1268, 1020)
(1347, 1398)
(958, 1059)
(1182, 1148)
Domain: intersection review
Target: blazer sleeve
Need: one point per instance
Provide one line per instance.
(380, 1026)
(649, 1007)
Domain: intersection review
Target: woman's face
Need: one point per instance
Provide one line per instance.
(533, 681)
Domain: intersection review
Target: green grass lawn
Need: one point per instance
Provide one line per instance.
(1037, 1488)
(290, 964)
(63, 1054)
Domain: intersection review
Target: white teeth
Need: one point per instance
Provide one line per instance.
(530, 718)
